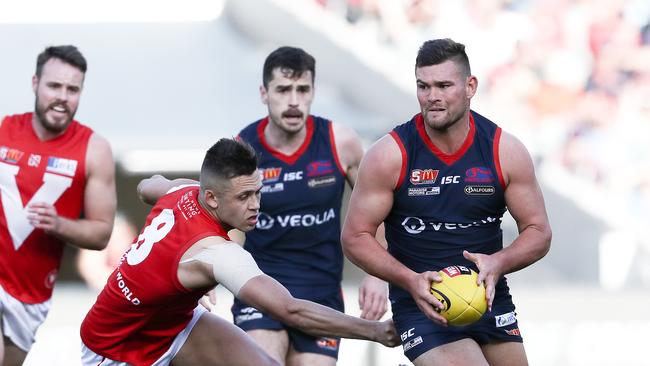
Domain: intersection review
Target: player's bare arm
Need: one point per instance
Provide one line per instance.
(349, 151)
(214, 260)
(526, 205)
(373, 291)
(94, 229)
(151, 189)
(371, 201)
(269, 296)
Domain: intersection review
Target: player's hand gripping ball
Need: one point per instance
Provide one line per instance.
(463, 300)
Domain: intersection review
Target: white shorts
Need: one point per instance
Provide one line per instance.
(90, 358)
(20, 320)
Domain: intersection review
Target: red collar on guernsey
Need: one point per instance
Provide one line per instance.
(289, 159)
(448, 159)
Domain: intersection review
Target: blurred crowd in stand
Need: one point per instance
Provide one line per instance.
(571, 78)
(574, 75)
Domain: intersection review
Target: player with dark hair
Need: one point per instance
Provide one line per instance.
(52, 169)
(441, 183)
(306, 161)
(293, 62)
(147, 313)
(68, 54)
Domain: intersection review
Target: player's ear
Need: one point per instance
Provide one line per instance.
(264, 95)
(211, 199)
(471, 86)
(34, 83)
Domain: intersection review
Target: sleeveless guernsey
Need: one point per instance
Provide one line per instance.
(31, 170)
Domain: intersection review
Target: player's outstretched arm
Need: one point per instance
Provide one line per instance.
(213, 260)
(269, 296)
(526, 205)
(370, 203)
(94, 229)
(151, 189)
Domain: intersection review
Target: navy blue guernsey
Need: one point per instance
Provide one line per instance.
(297, 237)
(444, 204)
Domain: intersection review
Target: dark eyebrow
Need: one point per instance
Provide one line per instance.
(436, 82)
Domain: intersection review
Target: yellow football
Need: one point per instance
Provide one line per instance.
(463, 300)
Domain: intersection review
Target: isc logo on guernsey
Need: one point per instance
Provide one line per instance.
(266, 221)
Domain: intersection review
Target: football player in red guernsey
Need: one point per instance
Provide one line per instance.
(148, 312)
(52, 169)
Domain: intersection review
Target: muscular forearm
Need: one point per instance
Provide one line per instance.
(530, 246)
(82, 233)
(270, 297)
(370, 255)
(319, 320)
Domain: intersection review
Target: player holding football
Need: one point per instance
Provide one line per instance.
(52, 168)
(306, 161)
(441, 183)
(147, 313)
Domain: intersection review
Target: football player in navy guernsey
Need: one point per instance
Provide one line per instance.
(440, 183)
(305, 162)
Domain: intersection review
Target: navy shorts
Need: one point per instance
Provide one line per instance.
(419, 334)
(249, 318)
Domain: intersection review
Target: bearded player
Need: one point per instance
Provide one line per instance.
(52, 169)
